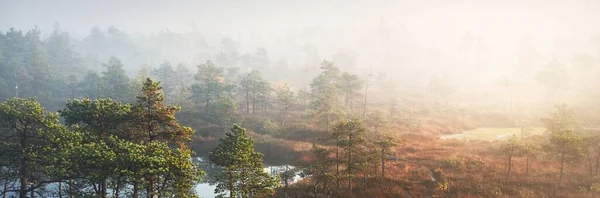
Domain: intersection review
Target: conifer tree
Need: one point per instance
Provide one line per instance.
(564, 144)
(24, 130)
(325, 94)
(243, 172)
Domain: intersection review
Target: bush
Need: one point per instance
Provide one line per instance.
(452, 163)
(596, 187)
(269, 127)
(441, 188)
(438, 174)
(526, 193)
(497, 191)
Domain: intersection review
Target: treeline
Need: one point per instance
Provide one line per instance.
(358, 159)
(104, 148)
(58, 67)
(53, 70)
(112, 142)
(565, 141)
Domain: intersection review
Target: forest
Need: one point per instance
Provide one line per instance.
(336, 111)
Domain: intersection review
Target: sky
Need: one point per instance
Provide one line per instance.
(427, 34)
(232, 16)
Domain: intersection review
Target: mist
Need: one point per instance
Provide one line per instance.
(461, 76)
(474, 43)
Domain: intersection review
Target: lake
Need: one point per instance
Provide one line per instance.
(205, 190)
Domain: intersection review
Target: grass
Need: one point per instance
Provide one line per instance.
(491, 133)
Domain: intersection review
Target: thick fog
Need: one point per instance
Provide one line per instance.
(478, 47)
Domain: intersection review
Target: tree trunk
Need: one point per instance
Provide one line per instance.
(352, 103)
(60, 190)
(365, 174)
(117, 188)
(23, 171)
(597, 161)
(284, 116)
(382, 163)
(180, 96)
(349, 162)
(314, 188)
(230, 185)
(365, 102)
(103, 188)
(254, 103)
(527, 165)
(247, 103)
(337, 165)
(346, 100)
(207, 97)
(509, 166)
(4, 189)
(562, 163)
(70, 188)
(150, 189)
(22, 187)
(587, 153)
(326, 188)
(135, 189)
(327, 123)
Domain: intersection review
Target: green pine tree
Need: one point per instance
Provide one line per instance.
(243, 172)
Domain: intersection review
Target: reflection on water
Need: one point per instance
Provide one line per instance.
(207, 189)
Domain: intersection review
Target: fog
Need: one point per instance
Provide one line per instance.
(475, 44)
(431, 98)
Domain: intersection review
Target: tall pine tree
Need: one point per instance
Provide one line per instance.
(243, 172)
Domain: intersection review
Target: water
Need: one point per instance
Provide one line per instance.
(459, 136)
(205, 190)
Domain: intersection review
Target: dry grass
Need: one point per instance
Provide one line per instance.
(461, 168)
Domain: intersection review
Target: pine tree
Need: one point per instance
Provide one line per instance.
(157, 120)
(325, 100)
(350, 84)
(354, 145)
(210, 83)
(564, 144)
(159, 128)
(243, 175)
(91, 86)
(25, 127)
(320, 169)
(117, 82)
(513, 147)
(384, 144)
(167, 76)
(254, 89)
(38, 67)
(287, 99)
(100, 121)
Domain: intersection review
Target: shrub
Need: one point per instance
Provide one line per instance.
(439, 175)
(497, 191)
(526, 193)
(440, 189)
(452, 163)
(269, 127)
(596, 187)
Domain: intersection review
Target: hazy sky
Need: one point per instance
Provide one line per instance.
(427, 34)
(228, 16)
